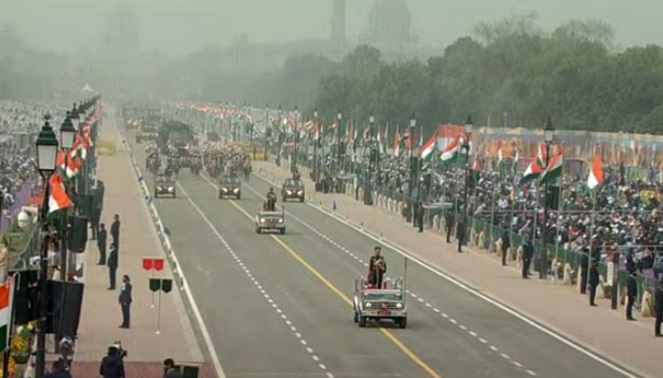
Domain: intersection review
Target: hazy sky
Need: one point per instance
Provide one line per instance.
(185, 25)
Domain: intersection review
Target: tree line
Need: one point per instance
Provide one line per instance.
(509, 72)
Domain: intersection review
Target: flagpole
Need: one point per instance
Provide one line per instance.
(492, 212)
(560, 206)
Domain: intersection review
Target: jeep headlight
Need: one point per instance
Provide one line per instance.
(236, 190)
(368, 305)
(399, 305)
(288, 192)
(300, 192)
(262, 220)
(159, 188)
(224, 189)
(171, 189)
(280, 220)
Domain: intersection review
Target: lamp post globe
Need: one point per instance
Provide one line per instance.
(24, 219)
(469, 125)
(315, 113)
(67, 134)
(47, 149)
(549, 132)
(75, 118)
(413, 123)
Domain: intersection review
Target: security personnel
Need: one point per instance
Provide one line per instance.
(506, 243)
(102, 239)
(449, 224)
(112, 264)
(115, 231)
(594, 281)
(125, 301)
(528, 254)
(631, 294)
(658, 298)
(377, 267)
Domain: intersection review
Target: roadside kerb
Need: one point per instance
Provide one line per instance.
(167, 249)
(441, 272)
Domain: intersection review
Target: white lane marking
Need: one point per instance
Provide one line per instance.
(347, 252)
(169, 250)
(495, 302)
(270, 300)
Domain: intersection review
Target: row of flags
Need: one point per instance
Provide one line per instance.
(317, 132)
(69, 164)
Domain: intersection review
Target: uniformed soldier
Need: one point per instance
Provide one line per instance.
(377, 267)
(125, 301)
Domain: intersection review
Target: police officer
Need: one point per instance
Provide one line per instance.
(125, 301)
(378, 267)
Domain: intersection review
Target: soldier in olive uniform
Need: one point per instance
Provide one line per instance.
(377, 267)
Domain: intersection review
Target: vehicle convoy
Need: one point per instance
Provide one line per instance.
(230, 187)
(164, 185)
(267, 220)
(380, 303)
(293, 189)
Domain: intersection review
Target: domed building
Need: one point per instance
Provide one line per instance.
(389, 25)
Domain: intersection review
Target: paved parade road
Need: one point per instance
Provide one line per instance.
(278, 306)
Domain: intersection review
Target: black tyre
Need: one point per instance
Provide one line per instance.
(402, 323)
(355, 318)
(362, 322)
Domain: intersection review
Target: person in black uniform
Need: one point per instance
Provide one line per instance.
(506, 243)
(449, 224)
(115, 231)
(658, 298)
(631, 294)
(584, 270)
(102, 239)
(125, 301)
(528, 254)
(377, 268)
(112, 266)
(112, 365)
(593, 282)
(460, 235)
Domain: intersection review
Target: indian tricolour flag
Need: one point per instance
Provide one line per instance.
(428, 148)
(554, 169)
(397, 143)
(532, 172)
(450, 152)
(596, 176)
(58, 198)
(6, 303)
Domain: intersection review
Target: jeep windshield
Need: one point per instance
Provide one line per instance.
(380, 295)
(164, 180)
(290, 183)
(230, 181)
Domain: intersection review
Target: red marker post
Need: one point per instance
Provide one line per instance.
(153, 264)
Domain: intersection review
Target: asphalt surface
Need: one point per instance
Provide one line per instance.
(309, 274)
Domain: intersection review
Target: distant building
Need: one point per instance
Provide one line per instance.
(389, 25)
(338, 27)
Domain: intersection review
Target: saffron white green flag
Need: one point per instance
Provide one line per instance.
(450, 152)
(554, 169)
(6, 303)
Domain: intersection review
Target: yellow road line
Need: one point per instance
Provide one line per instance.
(390, 335)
